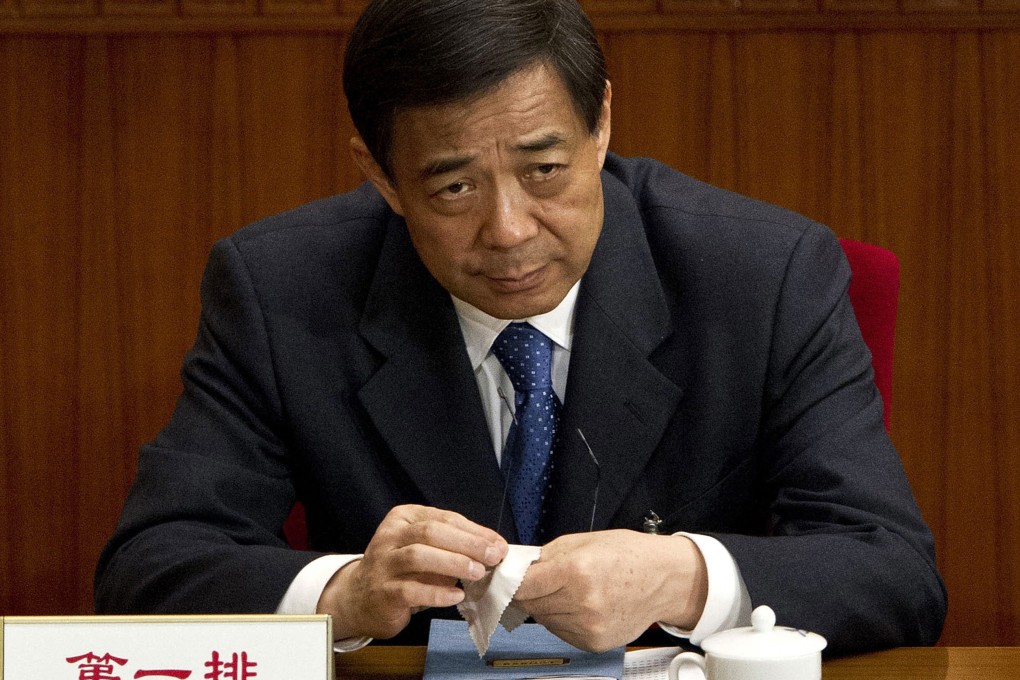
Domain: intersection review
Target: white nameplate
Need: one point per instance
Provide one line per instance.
(166, 647)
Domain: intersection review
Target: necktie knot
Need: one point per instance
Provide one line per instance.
(526, 355)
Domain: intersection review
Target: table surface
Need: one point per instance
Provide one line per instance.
(913, 663)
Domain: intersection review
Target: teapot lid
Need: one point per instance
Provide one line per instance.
(763, 640)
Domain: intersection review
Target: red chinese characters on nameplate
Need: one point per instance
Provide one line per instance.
(184, 648)
(94, 667)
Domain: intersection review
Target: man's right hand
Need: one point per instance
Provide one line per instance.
(413, 562)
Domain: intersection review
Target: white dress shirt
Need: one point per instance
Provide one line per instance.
(728, 604)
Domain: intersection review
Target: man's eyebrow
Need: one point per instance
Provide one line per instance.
(543, 143)
(444, 165)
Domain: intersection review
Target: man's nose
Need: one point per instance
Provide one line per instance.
(509, 220)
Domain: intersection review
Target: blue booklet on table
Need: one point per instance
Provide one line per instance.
(530, 652)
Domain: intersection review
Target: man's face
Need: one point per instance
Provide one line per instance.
(501, 193)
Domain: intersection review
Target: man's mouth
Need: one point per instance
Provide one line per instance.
(514, 282)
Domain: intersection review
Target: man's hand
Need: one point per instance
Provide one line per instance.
(413, 562)
(601, 590)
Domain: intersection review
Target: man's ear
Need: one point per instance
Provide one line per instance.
(605, 123)
(375, 174)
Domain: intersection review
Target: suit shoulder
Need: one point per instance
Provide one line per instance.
(701, 222)
(343, 219)
(327, 249)
(713, 240)
(671, 197)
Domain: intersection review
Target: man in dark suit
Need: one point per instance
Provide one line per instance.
(703, 368)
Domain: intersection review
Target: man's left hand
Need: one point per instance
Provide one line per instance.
(603, 589)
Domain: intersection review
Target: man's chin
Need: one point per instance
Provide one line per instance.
(517, 305)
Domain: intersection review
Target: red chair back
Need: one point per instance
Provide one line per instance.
(295, 530)
(874, 294)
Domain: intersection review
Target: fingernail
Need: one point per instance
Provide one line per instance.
(492, 555)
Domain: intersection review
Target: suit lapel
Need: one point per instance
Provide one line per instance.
(424, 400)
(615, 396)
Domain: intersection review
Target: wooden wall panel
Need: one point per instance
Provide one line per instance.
(1001, 5)
(885, 6)
(783, 119)
(218, 7)
(286, 165)
(160, 117)
(135, 8)
(970, 492)
(777, 5)
(846, 167)
(655, 78)
(59, 8)
(698, 6)
(39, 245)
(597, 7)
(939, 5)
(687, 86)
(9, 441)
(224, 169)
(107, 429)
(353, 7)
(298, 7)
(127, 149)
(1001, 194)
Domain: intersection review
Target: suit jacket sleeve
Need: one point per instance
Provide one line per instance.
(200, 531)
(847, 553)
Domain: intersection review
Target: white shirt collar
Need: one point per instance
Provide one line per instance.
(480, 329)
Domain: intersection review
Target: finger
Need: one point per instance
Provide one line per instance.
(423, 513)
(430, 561)
(482, 543)
(416, 595)
(454, 533)
(461, 522)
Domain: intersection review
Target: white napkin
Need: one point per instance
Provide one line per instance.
(487, 601)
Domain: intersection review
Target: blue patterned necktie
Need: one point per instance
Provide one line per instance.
(526, 356)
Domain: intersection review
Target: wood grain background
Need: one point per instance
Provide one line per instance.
(133, 133)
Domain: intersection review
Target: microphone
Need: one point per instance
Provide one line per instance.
(598, 479)
(509, 460)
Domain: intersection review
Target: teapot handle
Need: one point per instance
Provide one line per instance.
(687, 658)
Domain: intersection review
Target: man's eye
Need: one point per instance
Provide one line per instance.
(545, 171)
(454, 191)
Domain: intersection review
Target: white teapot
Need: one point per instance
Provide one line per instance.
(761, 652)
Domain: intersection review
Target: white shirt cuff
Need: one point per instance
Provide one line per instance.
(302, 596)
(728, 605)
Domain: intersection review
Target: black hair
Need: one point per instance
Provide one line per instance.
(410, 53)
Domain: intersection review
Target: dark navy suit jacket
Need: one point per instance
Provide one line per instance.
(717, 372)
